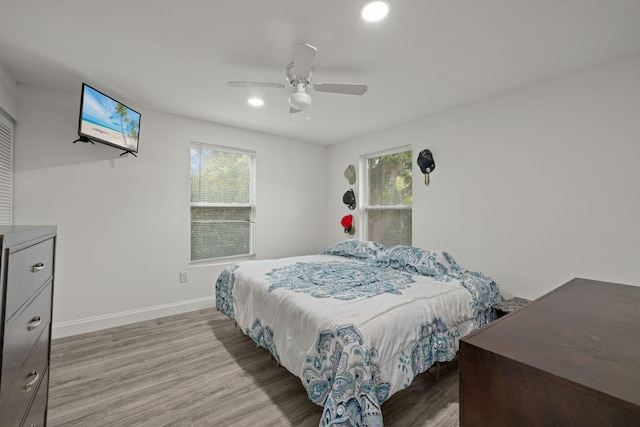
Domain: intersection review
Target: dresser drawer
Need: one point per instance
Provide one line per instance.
(38, 411)
(16, 401)
(21, 333)
(27, 270)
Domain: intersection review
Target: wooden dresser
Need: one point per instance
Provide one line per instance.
(570, 358)
(26, 272)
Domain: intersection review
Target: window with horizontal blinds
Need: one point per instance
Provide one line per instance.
(388, 197)
(6, 169)
(222, 202)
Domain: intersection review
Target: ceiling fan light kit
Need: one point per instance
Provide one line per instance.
(300, 99)
(298, 75)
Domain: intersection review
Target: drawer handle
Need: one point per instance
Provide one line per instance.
(39, 266)
(35, 375)
(35, 322)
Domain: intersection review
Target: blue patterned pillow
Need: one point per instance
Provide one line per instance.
(360, 249)
(424, 262)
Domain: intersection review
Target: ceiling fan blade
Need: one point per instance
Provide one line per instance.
(346, 88)
(293, 110)
(303, 55)
(254, 84)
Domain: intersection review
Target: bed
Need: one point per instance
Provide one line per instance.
(357, 322)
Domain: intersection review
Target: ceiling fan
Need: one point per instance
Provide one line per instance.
(299, 77)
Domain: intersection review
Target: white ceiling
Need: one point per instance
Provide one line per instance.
(427, 56)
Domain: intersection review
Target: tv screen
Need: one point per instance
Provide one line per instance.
(105, 120)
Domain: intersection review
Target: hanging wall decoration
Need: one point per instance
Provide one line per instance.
(426, 163)
(347, 224)
(349, 199)
(350, 174)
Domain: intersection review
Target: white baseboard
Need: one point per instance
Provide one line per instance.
(91, 324)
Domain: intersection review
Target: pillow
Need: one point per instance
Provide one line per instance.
(425, 262)
(360, 249)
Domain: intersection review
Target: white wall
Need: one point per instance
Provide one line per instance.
(8, 93)
(123, 222)
(533, 187)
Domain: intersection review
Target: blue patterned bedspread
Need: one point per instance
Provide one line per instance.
(356, 329)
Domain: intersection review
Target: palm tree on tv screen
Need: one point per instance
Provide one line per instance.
(133, 128)
(122, 111)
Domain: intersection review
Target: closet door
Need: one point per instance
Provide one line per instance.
(6, 169)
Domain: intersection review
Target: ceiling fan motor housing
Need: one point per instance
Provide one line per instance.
(294, 79)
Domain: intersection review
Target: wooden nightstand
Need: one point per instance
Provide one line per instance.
(509, 306)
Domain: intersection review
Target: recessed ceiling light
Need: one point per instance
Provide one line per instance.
(256, 102)
(374, 11)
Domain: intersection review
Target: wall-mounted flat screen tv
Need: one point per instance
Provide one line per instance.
(105, 120)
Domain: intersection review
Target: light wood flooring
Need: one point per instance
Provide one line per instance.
(198, 369)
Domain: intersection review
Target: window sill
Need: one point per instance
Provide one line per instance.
(224, 260)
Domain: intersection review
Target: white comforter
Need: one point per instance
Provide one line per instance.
(352, 345)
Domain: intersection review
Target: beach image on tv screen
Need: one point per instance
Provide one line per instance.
(107, 120)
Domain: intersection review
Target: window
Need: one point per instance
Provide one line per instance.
(222, 202)
(388, 197)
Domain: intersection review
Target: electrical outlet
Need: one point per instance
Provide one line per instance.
(184, 277)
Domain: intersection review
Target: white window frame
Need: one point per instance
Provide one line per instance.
(364, 189)
(251, 204)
